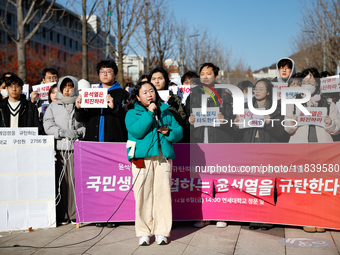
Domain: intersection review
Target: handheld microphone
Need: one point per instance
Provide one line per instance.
(155, 112)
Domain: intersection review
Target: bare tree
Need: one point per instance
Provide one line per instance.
(124, 23)
(88, 33)
(203, 48)
(26, 11)
(163, 32)
(143, 32)
(319, 40)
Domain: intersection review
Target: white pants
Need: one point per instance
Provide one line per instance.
(152, 192)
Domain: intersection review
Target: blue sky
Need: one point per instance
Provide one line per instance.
(258, 31)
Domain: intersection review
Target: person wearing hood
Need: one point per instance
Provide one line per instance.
(285, 68)
(59, 121)
(15, 110)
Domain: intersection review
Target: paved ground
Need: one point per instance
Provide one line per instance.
(185, 239)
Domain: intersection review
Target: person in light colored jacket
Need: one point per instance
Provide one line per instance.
(313, 133)
(60, 122)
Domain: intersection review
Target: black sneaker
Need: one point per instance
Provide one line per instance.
(63, 222)
(100, 225)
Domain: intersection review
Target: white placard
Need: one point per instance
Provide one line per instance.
(279, 86)
(94, 98)
(174, 89)
(250, 120)
(18, 132)
(330, 84)
(22, 141)
(184, 91)
(317, 116)
(208, 120)
(176, 80)
(26, 91)
(27, 181)
(42, 90)
(94, 86)
(164, 94)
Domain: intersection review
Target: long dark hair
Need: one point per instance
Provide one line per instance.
(135, 92)
(316, 75)
(50, 91)
(313, 71)
(164, 73)
(269, 86)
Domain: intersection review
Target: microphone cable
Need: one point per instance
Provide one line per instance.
(84, 241)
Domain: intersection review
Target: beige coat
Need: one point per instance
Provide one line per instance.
(299, 134)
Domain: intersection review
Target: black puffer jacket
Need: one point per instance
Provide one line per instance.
(222, 134)
(28, 114)
(270, 133)
(114, 129)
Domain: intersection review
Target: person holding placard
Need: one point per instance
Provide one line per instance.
(152, 130)
(159, 77)
(328, 127)
(313, 133)
(60, 122)
(105, 124)
(15, 110)
(260, 129)
(216, 98)
(221, 103)
(48, 75)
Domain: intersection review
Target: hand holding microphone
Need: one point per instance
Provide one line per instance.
(152, 107)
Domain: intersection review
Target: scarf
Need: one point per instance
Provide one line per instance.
(116, 85)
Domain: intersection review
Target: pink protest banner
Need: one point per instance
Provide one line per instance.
(103, 178)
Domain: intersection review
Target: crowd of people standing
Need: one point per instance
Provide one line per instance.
(137, 114)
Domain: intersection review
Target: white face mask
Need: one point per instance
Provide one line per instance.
(310, 88)
(4, 93)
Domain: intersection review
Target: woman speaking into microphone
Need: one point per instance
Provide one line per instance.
(151, 131)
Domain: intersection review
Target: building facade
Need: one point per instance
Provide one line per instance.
(62, 30)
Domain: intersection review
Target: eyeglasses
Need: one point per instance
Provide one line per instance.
(105, 72)
(51, 78)
(12, 87)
